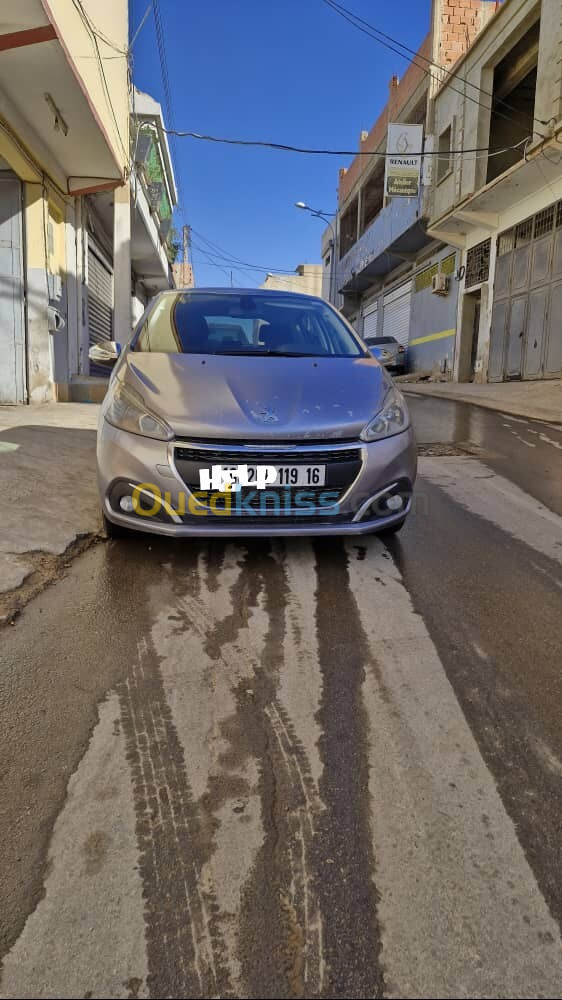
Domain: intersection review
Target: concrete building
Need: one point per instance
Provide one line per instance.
(503, 210)
(152, 199)
(307, 280)
(385, 258)
(154, 196)
(74, 205)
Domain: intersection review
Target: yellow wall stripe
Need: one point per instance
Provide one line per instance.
(432, 336)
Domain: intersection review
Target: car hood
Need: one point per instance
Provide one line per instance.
(245, 398)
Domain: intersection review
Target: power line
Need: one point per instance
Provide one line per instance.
(340, 9)
(226, 255)
(285, 147)
(168, 101)
(227, 267)
(211, 262)
(282, 274)
(372, 32)
(285, 276)
(142, 23)
(94, 35)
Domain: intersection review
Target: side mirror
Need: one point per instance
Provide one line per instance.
(106, 354)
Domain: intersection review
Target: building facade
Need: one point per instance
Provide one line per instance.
(502, 209)
(307, 279)
(81, 246)
(382, 266)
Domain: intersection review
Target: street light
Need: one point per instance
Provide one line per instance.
(325, 216)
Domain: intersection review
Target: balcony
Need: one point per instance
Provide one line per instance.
(397, 233)
(52, 98)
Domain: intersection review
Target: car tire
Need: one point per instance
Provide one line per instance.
(114, 530)
(392, 529)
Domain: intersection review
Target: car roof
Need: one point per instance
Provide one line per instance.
(261, 292)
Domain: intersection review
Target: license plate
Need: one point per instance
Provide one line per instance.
(289, 475)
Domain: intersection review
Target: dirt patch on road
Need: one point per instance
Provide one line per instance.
(45, 569)
(463, 449)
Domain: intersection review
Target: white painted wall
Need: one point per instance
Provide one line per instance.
(307, 280)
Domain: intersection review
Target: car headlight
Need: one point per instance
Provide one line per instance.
(392, 419)
(126, 410)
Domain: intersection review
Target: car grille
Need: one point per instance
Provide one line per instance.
(276, 503)
(288, 456)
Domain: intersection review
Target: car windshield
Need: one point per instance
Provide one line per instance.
(381, 340)
(246, 324)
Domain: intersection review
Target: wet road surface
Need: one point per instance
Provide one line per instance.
(304, 768)
(528, 452)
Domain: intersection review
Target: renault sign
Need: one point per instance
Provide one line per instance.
(403, 162)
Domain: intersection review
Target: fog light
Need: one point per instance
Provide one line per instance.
(395, 503)
(126, 504)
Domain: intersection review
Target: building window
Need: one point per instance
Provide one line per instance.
(544, 222)
(541, 224)
(445, 156)
(524, 233)
(478, 264)
(348, 228)
(513, 104)
(506, 242)
(373, 196)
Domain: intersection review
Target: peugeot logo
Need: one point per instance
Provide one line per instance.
(267, 415)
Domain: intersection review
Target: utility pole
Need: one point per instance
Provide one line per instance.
(186, 232)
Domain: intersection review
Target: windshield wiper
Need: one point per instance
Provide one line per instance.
(243, 352)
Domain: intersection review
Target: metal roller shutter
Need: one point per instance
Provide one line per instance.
(100, 301)
(526, 334)
(370, 319)
(397, 306)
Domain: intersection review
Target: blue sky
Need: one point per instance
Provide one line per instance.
(289, 71)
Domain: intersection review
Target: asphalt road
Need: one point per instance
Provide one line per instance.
(299, 769)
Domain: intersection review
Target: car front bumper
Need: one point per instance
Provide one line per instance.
(129, 459)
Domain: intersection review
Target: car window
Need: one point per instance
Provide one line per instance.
(232, 323)
(381, 340)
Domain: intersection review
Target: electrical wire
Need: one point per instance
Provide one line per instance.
(285, 147)
(211, 262)
(93, 34)
(282, 274)
(369, 31)
(340, 9)
(285, 277)
(169, 106)
(226, 255)
(142, 23)
(223, 262)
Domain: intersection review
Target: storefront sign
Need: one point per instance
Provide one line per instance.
(403, 164)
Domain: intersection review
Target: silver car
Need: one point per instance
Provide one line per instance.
(389, 352)
(235, 412)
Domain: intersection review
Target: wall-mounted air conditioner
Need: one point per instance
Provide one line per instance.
(440, 284)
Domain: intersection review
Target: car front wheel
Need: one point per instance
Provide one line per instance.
(392, 529)
(114, 530)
